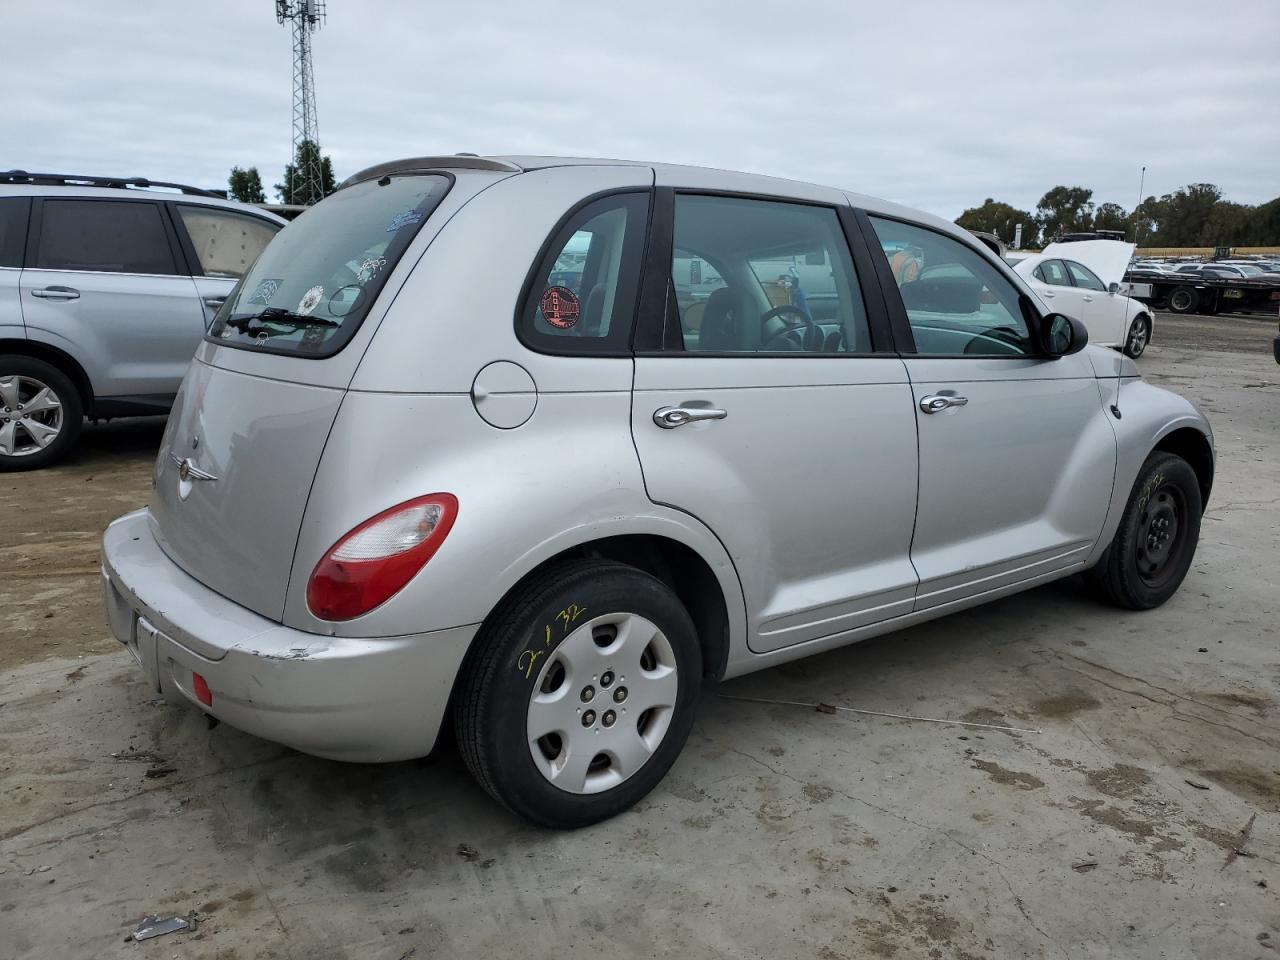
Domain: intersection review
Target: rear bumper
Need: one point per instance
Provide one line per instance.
(368, 700)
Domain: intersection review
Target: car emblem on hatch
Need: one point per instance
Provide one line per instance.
(188, 471)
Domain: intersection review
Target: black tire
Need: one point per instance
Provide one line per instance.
(1184, 299)
(70, 418)
(1134, 345)
(1156, 540)
(492, 701)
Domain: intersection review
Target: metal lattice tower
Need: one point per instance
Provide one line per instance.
(306, 16)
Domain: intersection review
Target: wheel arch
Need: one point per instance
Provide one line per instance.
(57, 358)
(1194, 447)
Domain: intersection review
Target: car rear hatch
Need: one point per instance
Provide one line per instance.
(251, 421)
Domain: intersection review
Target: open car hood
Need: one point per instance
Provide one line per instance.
(1109, 259)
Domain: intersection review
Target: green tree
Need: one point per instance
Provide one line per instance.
(1111, 216)
(1187, 215)
(246, 185)
(1064, 210)
(295, 187)
(1002, 220)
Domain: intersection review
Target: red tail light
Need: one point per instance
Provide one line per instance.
(373, 562)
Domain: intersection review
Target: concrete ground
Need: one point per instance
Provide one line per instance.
(1140, 820)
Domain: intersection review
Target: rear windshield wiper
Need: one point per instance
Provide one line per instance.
(277, 315)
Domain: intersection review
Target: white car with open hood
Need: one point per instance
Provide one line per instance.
(1083, 280)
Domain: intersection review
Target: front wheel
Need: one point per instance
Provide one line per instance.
(1156, 540)
(40, 413)
(579, 693)
(1139, 335)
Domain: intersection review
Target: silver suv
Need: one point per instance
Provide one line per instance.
(106, 287)
(546, 444)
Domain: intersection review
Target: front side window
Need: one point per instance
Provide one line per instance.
(1053, 272)
(956, 301)
(226, 243)
(1084, 277)
(310, 289)
(772, 278)
(583, 295)
(109, 236)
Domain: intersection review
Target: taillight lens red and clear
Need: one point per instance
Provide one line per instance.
(373, 562)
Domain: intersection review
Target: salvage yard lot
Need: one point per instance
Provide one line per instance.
(1139, 819)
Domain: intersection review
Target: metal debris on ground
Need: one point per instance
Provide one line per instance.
(467, 852)
(158, 926)
(1238, 850)
(1197, 785)
(829, 708)
(1084, 866)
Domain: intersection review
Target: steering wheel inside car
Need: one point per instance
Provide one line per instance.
(793, 335)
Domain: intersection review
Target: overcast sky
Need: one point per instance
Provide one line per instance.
(934, 103)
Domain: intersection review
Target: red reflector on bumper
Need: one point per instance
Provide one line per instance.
(201, 688)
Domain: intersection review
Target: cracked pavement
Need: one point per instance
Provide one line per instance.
(1140, 822)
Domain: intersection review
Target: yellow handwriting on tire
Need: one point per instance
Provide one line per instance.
(569, 615)
(1150, 486)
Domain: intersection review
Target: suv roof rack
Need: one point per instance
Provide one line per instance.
(74, 180)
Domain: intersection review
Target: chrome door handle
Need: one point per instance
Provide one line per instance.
(1088, 299)
(1046, 294)
(668, 418)
(213, 303)
(57, 293)
(934, 403)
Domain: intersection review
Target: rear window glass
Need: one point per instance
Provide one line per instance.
(108, 236)
(309, 290)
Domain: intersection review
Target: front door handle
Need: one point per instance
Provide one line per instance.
(668, 418)
(1088, 299)
(935, 403)
(213, 303)
(57, 293)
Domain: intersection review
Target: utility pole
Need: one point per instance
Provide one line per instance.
(306, 16)
(1136, 223)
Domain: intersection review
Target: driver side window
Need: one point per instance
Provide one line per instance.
(759, 276)
(958, 303)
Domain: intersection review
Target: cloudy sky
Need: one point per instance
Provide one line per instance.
(934, 103)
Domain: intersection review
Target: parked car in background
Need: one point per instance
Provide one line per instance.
(1065, 283)
(106, 287)
(442, 481)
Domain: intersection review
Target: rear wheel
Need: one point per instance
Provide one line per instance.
(40, 413)
(1184, 300)
(1156, 541)
(579, 693)
(1139, 334)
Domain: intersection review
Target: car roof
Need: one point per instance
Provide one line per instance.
(697, 177)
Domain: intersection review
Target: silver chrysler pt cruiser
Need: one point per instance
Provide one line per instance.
(544, 446)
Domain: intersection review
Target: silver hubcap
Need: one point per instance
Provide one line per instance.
(30, 416)
(1138, 337)
(602, 703)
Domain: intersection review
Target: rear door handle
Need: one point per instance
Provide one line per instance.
(1088, 299)
(668, 418)
(935, 403)
(57, 293)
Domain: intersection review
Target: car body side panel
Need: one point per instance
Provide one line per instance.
(11, 324)
(1147, 415)
(133, 334)
(568, 476)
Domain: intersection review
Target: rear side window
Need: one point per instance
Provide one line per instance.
(311, 288)
(781, 278)
(226, 243)
(582, 298)
(13, 230)
(109, 236)
(1053, 273)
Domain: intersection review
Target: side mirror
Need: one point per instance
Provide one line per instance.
(1113, 287)
(1062, 335)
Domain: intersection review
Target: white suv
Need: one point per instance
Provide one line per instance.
(106, 287)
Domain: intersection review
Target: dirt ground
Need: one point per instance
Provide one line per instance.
(1137, 818)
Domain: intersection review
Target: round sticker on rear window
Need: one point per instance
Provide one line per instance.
(310, 300)
(560, 307)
